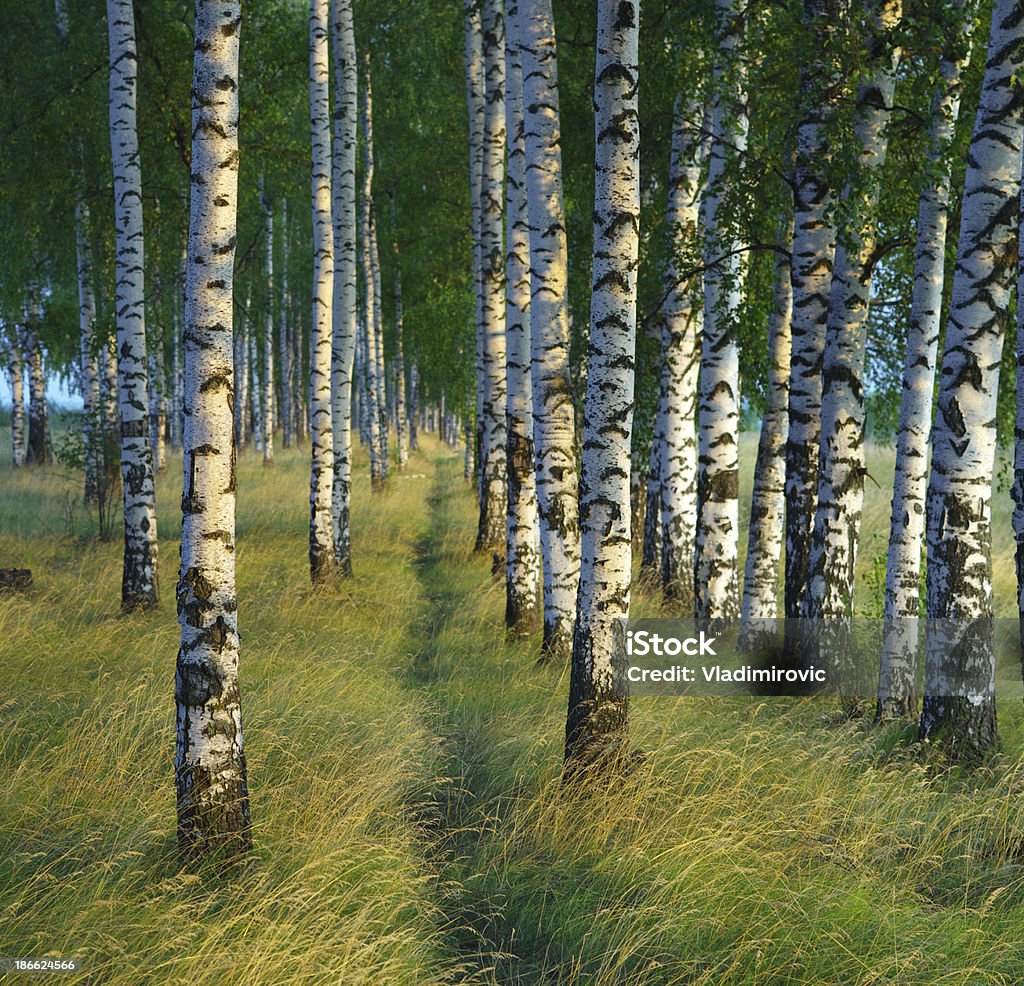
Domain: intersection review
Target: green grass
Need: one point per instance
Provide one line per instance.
(404, 764)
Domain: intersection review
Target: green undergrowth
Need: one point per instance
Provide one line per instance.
(410, 823)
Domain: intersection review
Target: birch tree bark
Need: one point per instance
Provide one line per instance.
(680, 338)
(209, 761)
(491, 531)
(401, 428)
(15, 379)
(284, 345)
(959, 690)
(321, 529)
(814, 238)
(768, 500)
(241, 387)
(139, 581)
(414, 406)
(378, 334)
(897, 686)
(38, 449)
(522, 562)
(374, 384)
(841, 465)
(268, 327)
(345, 317)
(598, 697)
(650, 557)
(90, 380)
(554, 425)
(716, 582)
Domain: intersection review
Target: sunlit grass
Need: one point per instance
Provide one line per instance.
(404, 761)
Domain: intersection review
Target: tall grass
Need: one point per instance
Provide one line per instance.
(404, 768)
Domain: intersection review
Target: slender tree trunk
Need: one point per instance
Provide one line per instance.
(491, 531)
(87, 334)
(959, 689)
(321, 526)
(841, 465)
(897, 685)
(15, 377)
(345, 314)
(268, 328)
(716, 569)
(284, 345)
(156, 414)
(371, 326)
(554, 426)
(598, 695)
(401, 413)
(414, 406)
(522, 562)
(139, 582)
(768, 500)
(378, 338)
(680, 339)
(38, 451)
(650, 558)
(241, 394)
(209, 761)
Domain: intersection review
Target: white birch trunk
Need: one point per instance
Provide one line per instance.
(209, 762)
(374, 385)
(680, 339)
(15, 378)
(343, 341)
(87, 335)
(401, 427)
(814, 239)
(268, 328)
(598, 693)
(716, 580)
(414, 407)
(38, 448)
(241, 387)
(841, 464)
(139, 582)
(284, 345)
(959, 690)
(378, 334)
(321, 527)
(650, 557)
(897, 686)
(768, 500)
(491, 531)
(522, 561)
(554, 425)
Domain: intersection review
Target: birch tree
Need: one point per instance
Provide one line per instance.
(491, 530)
(598, 699)
(321, 529)
(268, 327)
(717, 558)
(209, 761)
(286, 351)
(37, 451)
(680, 336)
(344, 307)
(401, 416)
(554, 427)
(16, 381)
(959, 689)
(841, 464)
(374, 383)
(522, 562)
(813, 255)
(139, 581)
(897, 686)
(768, 500)
(89, 371)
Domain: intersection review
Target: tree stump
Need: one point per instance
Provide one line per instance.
(15, 579)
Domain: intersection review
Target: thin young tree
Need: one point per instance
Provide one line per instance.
(139, 581)
(285, 350)
(16, 381)
(897, 678)
(268, 326)
(209, 761)
(716, 580)
(554, 425)
(959, 688)
(343, 341)
(598, 699)
(321, 528)
(522, 562)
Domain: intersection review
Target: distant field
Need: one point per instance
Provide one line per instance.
(404, 764)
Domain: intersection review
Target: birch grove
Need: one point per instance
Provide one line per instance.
(209, 761)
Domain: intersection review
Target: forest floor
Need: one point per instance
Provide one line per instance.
(404, 770)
